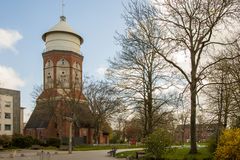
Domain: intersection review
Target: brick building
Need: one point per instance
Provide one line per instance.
(62, 103)
(203, 131)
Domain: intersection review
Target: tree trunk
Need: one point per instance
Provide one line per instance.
(220, 103)
(193, 149)
(150, 104)
(193, 91)
(183, 133)
(150, 114)
(96, 134)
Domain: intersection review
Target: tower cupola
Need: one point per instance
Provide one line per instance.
(62, 37)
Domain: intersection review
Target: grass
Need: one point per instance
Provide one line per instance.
(126, 154)
(89, 147)
(182, 153)
(176, 154)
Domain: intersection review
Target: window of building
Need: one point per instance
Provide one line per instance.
(7, 104)
(77, 65)
(7, 115)
(63, 61)
(7, 127)
(49, 76)
(76, 77)
(63, 76)
(0, 127)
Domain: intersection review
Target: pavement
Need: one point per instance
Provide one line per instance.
(57, 155)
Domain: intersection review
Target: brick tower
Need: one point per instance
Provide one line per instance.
(62, 58)
(62, 96)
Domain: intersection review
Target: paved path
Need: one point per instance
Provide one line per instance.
(57, 155)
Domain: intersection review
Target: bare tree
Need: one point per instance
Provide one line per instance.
(134, 129)
(190, 28)
(65, 103)
(223, 89)
(103, 103)
(183, 118)
(47, 100)
(141, 77)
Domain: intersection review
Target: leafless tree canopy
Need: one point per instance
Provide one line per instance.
(196, 29)
(103, 102)
(141, 77)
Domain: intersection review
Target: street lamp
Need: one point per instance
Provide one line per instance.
(70, 120)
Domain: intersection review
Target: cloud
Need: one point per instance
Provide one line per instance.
(101, 71)
(9, 78)
(8, 38)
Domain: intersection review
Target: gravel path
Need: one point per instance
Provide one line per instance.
(57, 155)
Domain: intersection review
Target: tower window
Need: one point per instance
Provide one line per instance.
(76, 77)
(63, 61)
(49, 63)
(49, 76)
(62, 72)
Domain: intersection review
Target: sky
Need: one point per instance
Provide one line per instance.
(22, 23)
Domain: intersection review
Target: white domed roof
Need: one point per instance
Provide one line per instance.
(62, 26)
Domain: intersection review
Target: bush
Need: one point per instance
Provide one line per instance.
(229, 145)
(158, 143)
(22, 141)
(55, 142)
(5, 141)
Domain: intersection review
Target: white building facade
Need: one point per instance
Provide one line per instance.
(10, 112)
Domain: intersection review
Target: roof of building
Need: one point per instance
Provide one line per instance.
(62, 26)
(40, 117)
(8, 91)
(43, 113)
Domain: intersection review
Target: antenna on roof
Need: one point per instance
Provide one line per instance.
(63, 18)
(63, 5)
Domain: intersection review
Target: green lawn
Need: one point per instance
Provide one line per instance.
(176, 154)
(182, 153)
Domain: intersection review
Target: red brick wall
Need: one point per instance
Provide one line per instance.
(55, 56)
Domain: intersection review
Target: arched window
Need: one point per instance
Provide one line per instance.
(48, 74)
(63, 73)
(48, 64)
(63, 63)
